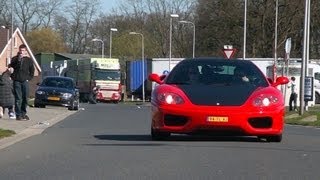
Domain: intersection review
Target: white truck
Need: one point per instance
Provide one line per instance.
(266, 65)
(295, 71)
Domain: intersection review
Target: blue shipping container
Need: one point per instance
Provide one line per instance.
(136, 79)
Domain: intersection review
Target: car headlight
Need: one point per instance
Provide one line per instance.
(170, 98)
(66, 95)
(265, 100)
(40, 92)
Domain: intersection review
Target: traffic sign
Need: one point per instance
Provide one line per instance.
(229, 53)
(288, 46)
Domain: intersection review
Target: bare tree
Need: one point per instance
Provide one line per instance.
(25, 11)
(152, 18)
(75, 28)
(47, 10)
(5, 12)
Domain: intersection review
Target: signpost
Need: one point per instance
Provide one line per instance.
(308, 89)
(228, 51)
(285, 69)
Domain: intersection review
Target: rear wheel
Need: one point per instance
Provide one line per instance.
(156, 135)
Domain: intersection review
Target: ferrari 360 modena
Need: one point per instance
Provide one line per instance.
(218, 97)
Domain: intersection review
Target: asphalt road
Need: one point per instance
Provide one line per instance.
(108, 141)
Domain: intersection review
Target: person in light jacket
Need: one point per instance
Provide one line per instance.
(293, 96)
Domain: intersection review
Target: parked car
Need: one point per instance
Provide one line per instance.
(219, 97)
(58, 91)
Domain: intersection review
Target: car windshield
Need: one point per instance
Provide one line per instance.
(216, 72)
(109, 75)
(55, 82)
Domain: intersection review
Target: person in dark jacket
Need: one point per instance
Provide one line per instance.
(6, 92)
(93, 95)
(23, 72)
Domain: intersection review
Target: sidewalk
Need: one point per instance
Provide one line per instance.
(40, 119)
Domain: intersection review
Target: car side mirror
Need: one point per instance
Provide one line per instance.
(155, 78)
(280, 81)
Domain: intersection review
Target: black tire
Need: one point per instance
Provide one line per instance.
(74, 106)
(317, 100)
(156, 135)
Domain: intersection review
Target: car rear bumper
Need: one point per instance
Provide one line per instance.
(218, 120)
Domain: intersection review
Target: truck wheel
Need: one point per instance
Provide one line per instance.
(317, 101)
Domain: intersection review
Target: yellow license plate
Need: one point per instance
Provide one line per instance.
(217, 119)
(54, 98)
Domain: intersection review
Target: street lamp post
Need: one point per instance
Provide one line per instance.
(171, 16)
(305, 56)
(245, 30)
(111, 29)
(194, 35)
(275, 41)
(142, 51)
(11, 43)
(102, 51)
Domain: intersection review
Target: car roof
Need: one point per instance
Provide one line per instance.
(216, 59)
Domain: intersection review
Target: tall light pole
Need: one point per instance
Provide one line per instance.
(170, 39)
(111, 29)
(305, 58)
(245, 30)
(275, 42)
(142, 51)
(194, 36)
(102, 51)
(11, 43)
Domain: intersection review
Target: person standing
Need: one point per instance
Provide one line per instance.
(293, 95)
(6, 93)
(23, 73)
(93, 95)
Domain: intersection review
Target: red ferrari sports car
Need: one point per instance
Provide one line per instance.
(217, 96)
